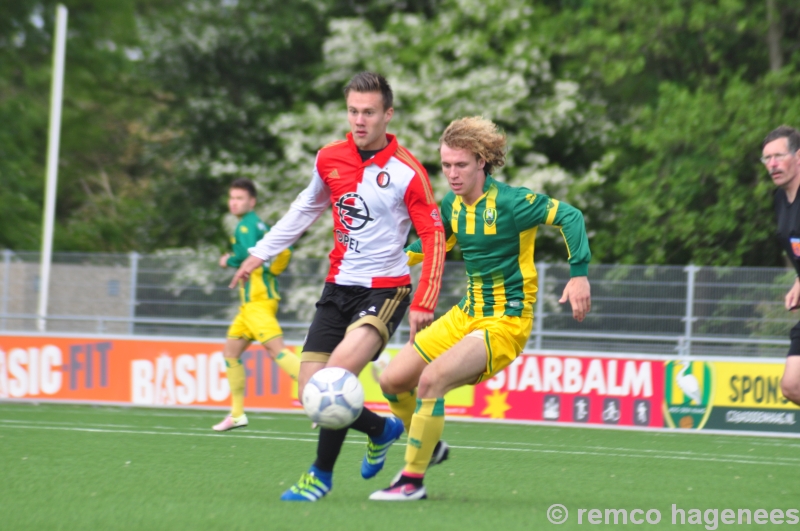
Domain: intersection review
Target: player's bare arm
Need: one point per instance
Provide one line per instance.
(417, 320)
(223, 260)
(792, 299)
(243, 273)
(578, 293)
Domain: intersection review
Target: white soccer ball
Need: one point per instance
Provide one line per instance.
(333, 398)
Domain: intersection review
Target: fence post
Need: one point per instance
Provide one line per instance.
(7, 253)
(134, 261)
(542, 270)
(691, 271)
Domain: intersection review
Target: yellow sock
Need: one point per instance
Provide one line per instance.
(289, 362)
(427, 426)
(403, 406)
(236, 381)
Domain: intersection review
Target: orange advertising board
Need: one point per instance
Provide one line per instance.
(134, 371)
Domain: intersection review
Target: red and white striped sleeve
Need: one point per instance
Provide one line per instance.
(424, 214)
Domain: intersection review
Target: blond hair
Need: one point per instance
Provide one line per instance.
(479, 136)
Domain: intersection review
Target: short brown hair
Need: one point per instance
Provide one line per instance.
(480, 136)
(245, 184)
(789, 133)
(371, 82)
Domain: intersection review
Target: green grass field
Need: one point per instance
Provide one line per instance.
(80, 467)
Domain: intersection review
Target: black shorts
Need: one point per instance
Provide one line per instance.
(794, 337)
(344, 308)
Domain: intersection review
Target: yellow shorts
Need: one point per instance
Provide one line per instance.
(256, 322)
(504, 336)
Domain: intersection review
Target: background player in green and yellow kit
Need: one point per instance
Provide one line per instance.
(256, 320)
(495, 225)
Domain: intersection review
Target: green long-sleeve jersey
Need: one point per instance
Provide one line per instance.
(261, 285)
(497, 236)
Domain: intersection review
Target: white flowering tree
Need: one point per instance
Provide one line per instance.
(474, 57)
(469, 57)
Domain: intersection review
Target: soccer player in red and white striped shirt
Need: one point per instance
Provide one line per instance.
(377, 191)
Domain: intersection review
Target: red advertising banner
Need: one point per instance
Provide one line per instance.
(591, 390)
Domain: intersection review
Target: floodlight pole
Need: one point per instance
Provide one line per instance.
(51, 177)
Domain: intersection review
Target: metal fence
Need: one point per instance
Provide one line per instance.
(635, 309)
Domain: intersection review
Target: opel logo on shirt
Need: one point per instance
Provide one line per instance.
(353, 211)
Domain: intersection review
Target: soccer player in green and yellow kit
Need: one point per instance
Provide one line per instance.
(256, 320)
(495, 225)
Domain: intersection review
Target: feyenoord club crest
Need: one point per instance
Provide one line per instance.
(490, 216)
(383, 179)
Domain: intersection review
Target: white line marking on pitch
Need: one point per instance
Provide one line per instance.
(129, 426)
(145, 432)
(481, 448)
(687, 453)
(105, 410)
(757, 443)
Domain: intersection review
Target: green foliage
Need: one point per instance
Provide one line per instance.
(24, 122)
(624, 49)
(698, 193)
(646, 115)
(692, 88)
(226, 70)
(100, 196)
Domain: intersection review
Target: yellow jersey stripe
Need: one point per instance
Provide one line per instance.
(470, 294)
(491, 202)
(527, 240)
(551, 215)
(456, 212)
(569, 251)
(480, 301)
(499, 292)
(470, 229)
(489, 353)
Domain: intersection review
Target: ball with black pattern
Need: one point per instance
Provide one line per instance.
(333, 398)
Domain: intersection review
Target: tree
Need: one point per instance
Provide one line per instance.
(700, 194)
(647, 115)
(101, 194)
(694, 87)
(471, 58)
(227, 69)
